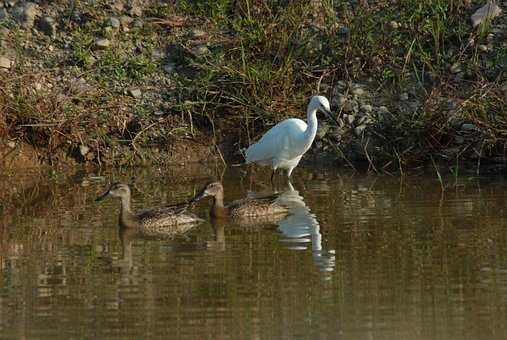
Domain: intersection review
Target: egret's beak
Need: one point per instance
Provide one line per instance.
(199, 196)
(330, 115)
(103, 196)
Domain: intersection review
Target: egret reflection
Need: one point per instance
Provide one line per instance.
(300, 229)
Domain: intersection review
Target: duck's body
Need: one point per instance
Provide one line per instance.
(240, 209)
(166, 221)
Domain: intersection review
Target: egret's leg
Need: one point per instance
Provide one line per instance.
(272, 175)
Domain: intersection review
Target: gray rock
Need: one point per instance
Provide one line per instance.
(404, 96)
(486, 13)
(394, 25)
(366, 108)
(114, 22)
(3, 13)
(125, 21)
(47, 25)
(83, 150)
(197, 33)
(383, 110)
(351, 106)
(25, 15)
(483, 48)
(341, 100)
(358, 131)
(138, 23)
(135, 92)
(350, 119)
(358, 91)
(455, 68)
(135, 10)
(200, 50)
(102, 44)
(469, 127)
(5, 62)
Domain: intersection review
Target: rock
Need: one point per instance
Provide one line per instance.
(350, 119)
(486, 13)
(469, 127)
(3, 13)
(394, 25)
(114, 22)
(26, 14)
(483, 48)
(102, 44)
(358, 91)
(383, 110)
(125, 21)
(404, 96)
(5, 62)
(341, 100)
(117, 6)
(138, 23)
(83, 150)
(366, 108)
(11, 144)
(351, 106)
(197, 33)
(455, 68)
(200, 50)
(47, 25)
(359, 130)
(135, 10)
(135, 92)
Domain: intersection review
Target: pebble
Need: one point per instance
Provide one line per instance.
(83, 150)
(366, 108)
(5, 63)
(197, 33)
(11, 144)
(341, 100)
(117, 6)
(136, 10)
(394, 25)
(359, 130)
(135, 92)
(200, 50)
(404, 96)
(455, 68)
(114, 22)
(383, 110)
(469, 127)
(350, 119)
(26, 14)
(125, 21)
(358, 91)
(102, 44)
(483, 48)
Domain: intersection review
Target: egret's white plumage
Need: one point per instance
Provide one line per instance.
(285, 143)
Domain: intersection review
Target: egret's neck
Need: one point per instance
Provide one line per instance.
(311, 129)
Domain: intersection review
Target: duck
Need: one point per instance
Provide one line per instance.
(166, 221)
(247, 208)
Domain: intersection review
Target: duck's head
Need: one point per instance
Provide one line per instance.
(116, 190)
(213, 189)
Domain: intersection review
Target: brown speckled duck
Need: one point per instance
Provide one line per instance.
(257, 207)
(166, 221)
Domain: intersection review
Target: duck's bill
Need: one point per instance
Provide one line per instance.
(330, 115)
(199, 196)
(102, 197)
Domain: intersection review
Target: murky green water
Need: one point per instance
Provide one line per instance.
(362, 257)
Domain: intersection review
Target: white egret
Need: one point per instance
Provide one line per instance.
(285, 143)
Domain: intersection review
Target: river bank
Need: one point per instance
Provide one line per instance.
(114, 83)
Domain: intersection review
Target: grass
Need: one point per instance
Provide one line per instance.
(264, 60)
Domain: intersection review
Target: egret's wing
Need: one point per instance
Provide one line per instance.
(279, 142)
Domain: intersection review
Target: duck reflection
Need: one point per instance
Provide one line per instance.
(298, 226)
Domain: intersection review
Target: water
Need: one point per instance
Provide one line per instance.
(362, 257)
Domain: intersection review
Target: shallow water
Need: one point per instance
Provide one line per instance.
(361, 257)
